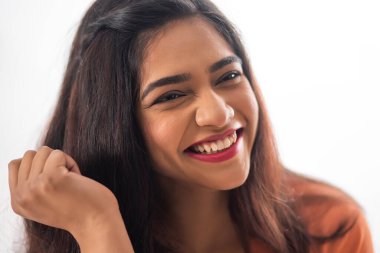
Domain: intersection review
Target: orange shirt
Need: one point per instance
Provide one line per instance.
(357, 240)
(324, 210)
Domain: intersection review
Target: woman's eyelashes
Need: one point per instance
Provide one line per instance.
(170, 96)
(232, 76)
(229, 76)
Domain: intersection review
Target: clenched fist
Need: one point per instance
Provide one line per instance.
(46, 186)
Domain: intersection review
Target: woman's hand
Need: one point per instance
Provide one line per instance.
(46, 186)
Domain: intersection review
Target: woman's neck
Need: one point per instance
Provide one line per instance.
(201, 218)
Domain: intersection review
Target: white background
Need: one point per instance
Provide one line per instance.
(317, 62)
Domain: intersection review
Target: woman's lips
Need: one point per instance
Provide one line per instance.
(222, 155)
(215, 137)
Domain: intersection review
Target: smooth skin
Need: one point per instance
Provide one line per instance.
(175, 116)
(46, 186)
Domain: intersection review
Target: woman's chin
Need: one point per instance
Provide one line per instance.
(230, 182)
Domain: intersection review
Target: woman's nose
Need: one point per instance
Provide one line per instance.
(214, 111)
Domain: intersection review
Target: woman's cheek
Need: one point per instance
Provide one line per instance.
(161, 131)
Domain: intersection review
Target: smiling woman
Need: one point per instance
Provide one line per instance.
(201, 100)
(160, 142)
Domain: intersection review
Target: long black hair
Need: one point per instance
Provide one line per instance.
(95, 121)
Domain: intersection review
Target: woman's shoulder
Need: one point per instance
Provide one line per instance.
(333, 219)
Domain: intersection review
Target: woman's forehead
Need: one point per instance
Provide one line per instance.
(181, 46)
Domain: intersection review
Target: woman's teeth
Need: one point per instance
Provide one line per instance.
(216, 146)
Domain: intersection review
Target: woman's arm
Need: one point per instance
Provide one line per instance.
(109, 235)
(46, 186)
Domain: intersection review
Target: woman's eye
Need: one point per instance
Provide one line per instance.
(229, 76)
(168, 97)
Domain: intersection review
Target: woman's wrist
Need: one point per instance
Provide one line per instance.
(105, 234)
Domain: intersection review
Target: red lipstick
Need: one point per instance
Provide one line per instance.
(215, 137)
(220, 156)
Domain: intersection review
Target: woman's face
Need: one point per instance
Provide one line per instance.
(197, 109)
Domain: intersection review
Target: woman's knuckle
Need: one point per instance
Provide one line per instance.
(23, 200)
(12, 164)
(57, 152)
(29, 153)
(57, 155)
(15, 207)
(44, 149)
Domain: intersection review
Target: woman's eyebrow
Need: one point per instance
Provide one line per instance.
(176, 79)
(223, 62)
(165, 81)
